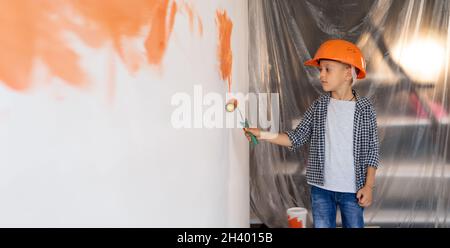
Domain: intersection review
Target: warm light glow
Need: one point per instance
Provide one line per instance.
(422, 59)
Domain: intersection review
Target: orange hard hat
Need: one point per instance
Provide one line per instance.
(342, 51)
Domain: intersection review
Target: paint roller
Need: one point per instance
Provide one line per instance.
(230, 107)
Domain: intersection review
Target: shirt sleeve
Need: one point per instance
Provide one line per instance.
(373, 158)
(302, 133)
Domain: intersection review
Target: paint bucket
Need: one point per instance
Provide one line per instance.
(297, 217)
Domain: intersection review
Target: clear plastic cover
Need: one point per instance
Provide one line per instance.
(407, 47)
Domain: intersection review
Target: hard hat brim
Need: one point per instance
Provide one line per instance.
(315, 63)
(312, 62)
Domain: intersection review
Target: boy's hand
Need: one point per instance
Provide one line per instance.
(254, 131)
(364, 196)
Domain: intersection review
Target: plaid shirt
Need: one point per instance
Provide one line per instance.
(312, 130)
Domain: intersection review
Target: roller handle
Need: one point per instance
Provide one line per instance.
(252, 136)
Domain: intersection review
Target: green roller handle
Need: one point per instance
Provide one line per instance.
(252, 136)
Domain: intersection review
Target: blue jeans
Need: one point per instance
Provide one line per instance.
(324, 206)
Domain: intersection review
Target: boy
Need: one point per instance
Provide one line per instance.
(341, 128)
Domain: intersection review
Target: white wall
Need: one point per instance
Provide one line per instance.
(73, 157)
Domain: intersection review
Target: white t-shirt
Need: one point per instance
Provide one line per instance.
(339, 173)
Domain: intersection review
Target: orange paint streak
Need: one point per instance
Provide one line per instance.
(190, 14)
(224, 52)
(193, 17)
(173, 12)
(157, 40)
(116, 19)
(63, 63)
(131, 56)
(31, 32)
(35, 30)
(200, 26)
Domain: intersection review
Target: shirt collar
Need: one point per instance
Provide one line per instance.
(361, 102)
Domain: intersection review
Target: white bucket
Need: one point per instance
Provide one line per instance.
(297, 217)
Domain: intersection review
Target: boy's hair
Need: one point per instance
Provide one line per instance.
(354, 70)
(354, 74)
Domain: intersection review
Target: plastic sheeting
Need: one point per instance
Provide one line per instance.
(407, 47)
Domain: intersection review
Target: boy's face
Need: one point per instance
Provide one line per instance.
(334, 75)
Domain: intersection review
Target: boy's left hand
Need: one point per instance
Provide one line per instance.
(364, 196)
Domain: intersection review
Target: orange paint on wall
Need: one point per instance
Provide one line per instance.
(200, 26)
(194, 19)
(36, 31)
(190, 13)
(158, 38)
(224, 52)
(31, 32)
(116, 19)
